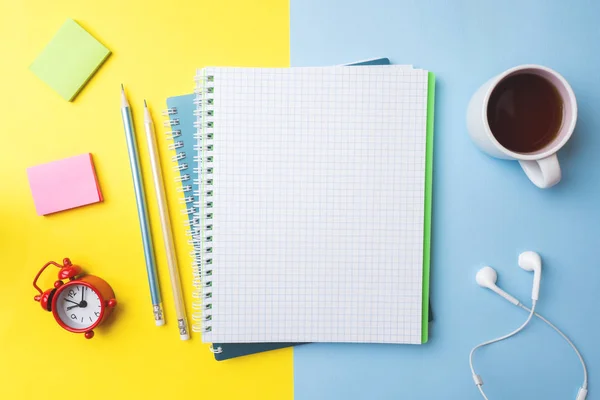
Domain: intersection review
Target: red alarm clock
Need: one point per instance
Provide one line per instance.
(80, 304)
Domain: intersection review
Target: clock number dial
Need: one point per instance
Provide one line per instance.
(79, 306)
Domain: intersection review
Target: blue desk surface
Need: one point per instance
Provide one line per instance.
(485, 211)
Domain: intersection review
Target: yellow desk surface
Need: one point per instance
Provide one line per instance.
(156, 45)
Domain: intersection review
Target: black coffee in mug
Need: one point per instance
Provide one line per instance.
(525, 112)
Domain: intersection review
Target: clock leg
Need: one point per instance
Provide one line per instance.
(89, 334)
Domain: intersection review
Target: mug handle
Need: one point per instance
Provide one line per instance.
(544, 173)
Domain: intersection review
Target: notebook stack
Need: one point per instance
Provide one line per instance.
(310, 203)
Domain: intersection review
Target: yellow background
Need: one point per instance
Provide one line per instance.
(156, 47)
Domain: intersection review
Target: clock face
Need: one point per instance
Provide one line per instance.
(78, 306)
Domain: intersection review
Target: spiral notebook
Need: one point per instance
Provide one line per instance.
(313, 218)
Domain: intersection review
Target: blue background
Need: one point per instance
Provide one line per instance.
(485, 211)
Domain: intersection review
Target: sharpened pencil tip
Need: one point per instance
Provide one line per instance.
(145, 105)
(124, 102)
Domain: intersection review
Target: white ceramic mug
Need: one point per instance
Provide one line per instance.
(541, 166)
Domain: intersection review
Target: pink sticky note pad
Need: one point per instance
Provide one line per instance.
(64, 184)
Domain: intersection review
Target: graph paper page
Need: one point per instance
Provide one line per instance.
(318, 187)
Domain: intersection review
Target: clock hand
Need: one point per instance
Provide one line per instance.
(68, 308)
(82, 292)
(70, 301)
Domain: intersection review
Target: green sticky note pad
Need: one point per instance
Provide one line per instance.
(69, 60)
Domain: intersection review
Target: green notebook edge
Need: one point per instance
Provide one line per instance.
(428, 203)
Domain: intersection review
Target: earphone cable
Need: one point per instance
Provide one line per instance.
(585, 374)
(476, 378)
(482, 392)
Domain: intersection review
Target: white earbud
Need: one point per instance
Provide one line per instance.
(486, 277)
(531, 261)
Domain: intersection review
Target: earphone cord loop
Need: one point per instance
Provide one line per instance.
(551, 325)
(476, 378)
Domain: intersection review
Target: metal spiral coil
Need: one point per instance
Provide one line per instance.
(186, 199)
(189, 211)
(176, 145)
(200, 238)
(179, 156)
(183, 178)
(180, 167)
(173, 134)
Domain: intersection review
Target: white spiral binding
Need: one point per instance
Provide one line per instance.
(179, 156)
(183, 178)
(173, 134)
(201, 237)
(176, 145)
(180, 167)
(186, 199)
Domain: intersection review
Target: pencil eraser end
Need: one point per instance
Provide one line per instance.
(185, 337)
(160, 322)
